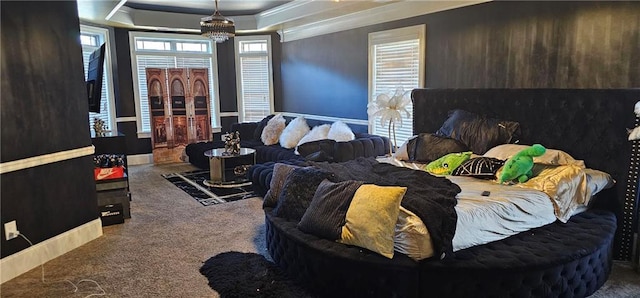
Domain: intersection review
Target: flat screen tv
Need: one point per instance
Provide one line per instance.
(95, 73)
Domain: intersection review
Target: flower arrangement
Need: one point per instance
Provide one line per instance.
(232, 143)
(389, 109)
(99, 127)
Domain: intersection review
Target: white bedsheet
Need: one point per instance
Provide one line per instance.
(555, 193)
(507, 210)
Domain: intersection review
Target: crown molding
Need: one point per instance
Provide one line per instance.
(122, 16)
(295, 20)
(171, 21)
(377, 15)
(296, 10)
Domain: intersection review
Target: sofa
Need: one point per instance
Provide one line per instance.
(364, 145)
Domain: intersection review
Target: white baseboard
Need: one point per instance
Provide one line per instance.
(139, 159)
(40, 253)
(229, 114)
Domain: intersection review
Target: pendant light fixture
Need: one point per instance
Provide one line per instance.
(217, 27)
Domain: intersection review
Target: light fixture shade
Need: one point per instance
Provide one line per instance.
(217, 27)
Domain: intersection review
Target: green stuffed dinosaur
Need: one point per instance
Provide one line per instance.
(446, 164)
(519, 166)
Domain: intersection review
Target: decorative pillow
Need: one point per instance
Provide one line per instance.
(340, 132)
(446, 164)
(411, 236)
(598, 180)
(319, 156)
(271, 132)
(298, 191)
(324, 147)
(371, 218)
(479, 167)
(258, 132)
(565, 185)
(477, 132)
(292, 134)
(550, 157)
(328, 210)
(403, 152)
(317, 133)
(429, 147)
(280, 173)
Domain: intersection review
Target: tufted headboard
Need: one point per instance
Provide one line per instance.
(589, 124)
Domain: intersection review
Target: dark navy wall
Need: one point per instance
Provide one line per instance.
(593, 44)
(491, 45)
(326, 75)
(227, 77)
(124, 96)
(44, 110)
(125, 105)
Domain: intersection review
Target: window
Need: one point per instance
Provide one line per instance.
(163, 50)
(254, 78)
(91, 38)
(396, 59)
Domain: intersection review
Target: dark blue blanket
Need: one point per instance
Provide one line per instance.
(429, 197)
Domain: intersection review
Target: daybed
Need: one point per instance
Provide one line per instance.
(364, 145)
(571, 259)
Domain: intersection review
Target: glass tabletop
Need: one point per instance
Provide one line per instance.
(220, 152)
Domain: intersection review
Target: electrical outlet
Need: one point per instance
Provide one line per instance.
(11, 230)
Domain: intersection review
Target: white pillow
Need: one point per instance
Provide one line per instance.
(273, 129)
(340, 132)
(550, 157)
(403, 152)
(292, 134)
(317, 133)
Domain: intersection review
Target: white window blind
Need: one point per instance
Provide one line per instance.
(254, 77)
(396, 59)
(158, 50)
(91, 38)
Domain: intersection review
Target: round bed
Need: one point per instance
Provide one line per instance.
(558, 260)
(570, 259)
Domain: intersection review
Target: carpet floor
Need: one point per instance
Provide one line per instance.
(160, 250)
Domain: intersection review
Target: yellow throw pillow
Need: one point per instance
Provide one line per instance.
(371, 218)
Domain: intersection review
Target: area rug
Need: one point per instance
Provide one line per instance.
(194, 183)
(236, 274)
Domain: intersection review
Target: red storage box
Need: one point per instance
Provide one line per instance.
(108, 173)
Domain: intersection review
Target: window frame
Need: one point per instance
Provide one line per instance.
(105, 38)
(238, 55)
(213, 93)
(392, 36)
